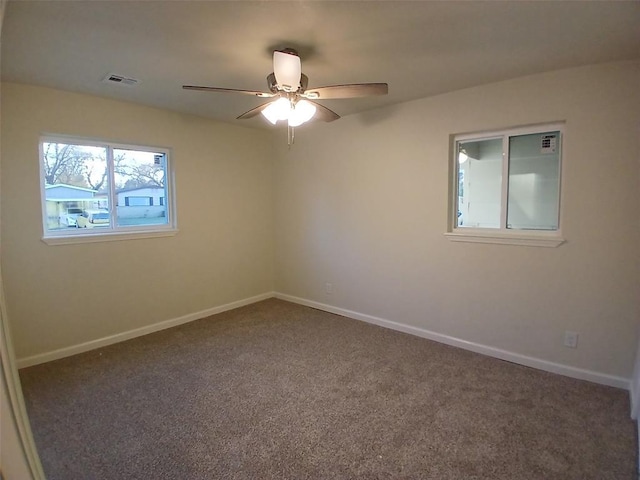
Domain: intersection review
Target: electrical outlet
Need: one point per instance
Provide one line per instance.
(328, 288)
(571, 339)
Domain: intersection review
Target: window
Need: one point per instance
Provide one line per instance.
(100, 190)
(507, 186)
(138, 201)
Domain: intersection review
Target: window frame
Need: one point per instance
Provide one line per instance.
(503, 235)
(114, 231)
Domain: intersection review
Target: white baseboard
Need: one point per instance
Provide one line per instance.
(120, 337)
(513, 357)
(566, 370)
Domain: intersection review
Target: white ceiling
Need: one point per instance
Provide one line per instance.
(420, 48)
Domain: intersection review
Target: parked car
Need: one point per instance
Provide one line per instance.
(69, 219)
(93, 218)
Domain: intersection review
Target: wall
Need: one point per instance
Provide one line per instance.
(362, 203)
(65, 295)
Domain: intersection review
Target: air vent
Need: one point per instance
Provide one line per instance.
(120, 80)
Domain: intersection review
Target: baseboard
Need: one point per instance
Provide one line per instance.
(138, 332)
(513, 357)
(566, 370)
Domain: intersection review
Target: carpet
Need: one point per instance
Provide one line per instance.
(276, 390)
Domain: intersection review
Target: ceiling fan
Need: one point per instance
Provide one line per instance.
(292, 100)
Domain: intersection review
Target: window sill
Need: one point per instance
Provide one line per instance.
(507, 239)
(106, 237)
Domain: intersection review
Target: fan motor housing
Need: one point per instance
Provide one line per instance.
(272, 83)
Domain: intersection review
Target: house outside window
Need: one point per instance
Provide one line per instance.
(506, 186)
(93, 189)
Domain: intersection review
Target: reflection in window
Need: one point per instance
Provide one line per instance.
(140, 182)
(534, 178)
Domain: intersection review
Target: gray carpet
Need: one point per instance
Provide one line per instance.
(280, 391)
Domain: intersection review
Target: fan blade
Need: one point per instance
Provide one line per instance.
(254, 111)
(323, 113)
(228, 90)
(351, 90)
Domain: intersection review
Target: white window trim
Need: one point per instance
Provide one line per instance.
(92, 237)
(478, 236)
(502, 235)
(73, 236)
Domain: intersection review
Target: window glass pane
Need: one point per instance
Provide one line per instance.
(479, 183)
(76, 183)
(534, 171)
(140, 180)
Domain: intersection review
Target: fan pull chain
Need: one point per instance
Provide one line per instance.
(291, 136)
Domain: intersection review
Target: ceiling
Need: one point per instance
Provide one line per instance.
(420, 48)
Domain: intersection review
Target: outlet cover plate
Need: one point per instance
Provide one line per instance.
(571, 339)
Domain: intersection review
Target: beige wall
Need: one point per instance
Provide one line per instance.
(362, 203)
(61, 296)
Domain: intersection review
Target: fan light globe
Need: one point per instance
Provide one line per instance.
(282, 109)
(287, 69)
(278, 110)
(302, 112)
